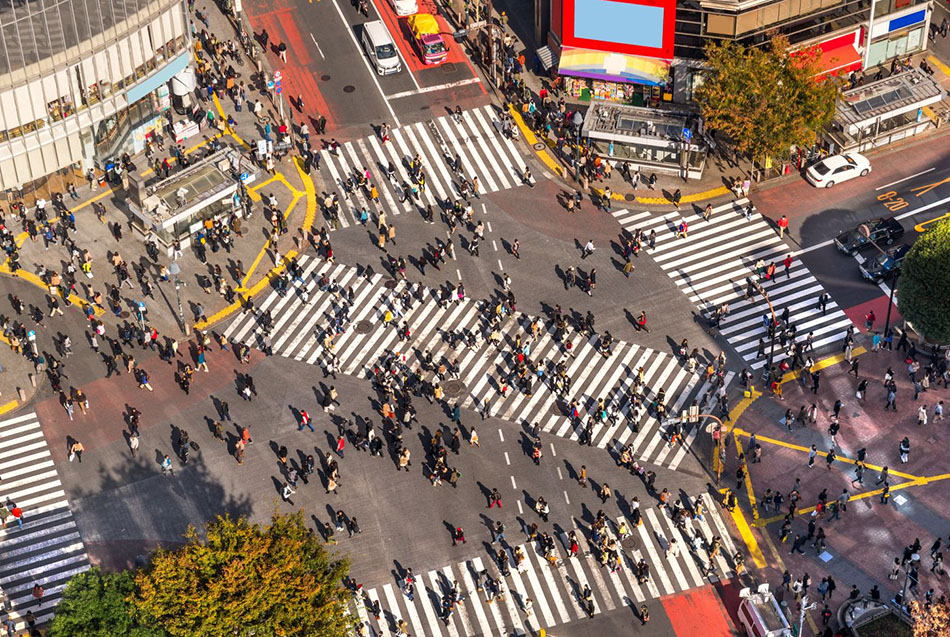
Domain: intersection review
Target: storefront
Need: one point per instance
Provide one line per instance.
(899, 34)
(617, 52)
(651, 140)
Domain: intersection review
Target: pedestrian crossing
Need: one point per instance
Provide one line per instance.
(476, 140)
(47, 550)
(300, 326)
(553, 583)
(712, 264)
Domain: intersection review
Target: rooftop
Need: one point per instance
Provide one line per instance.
(606, 118)
(866, 103)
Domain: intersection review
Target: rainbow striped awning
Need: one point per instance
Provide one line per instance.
(614, 67)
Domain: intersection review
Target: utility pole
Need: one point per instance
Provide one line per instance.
(865, 232)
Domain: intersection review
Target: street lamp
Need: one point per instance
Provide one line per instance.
(578, 121)
(865, 232)
(175, 270)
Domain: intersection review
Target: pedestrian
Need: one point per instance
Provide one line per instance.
(782, 226)
(75, 451)
(133, 443)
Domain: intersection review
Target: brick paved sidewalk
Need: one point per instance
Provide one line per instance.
(862, 545)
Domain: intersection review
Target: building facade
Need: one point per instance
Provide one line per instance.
(81, 82)
(657, 55)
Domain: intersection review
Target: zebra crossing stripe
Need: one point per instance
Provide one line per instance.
(707, 269)
(48, 549)
(298, 332)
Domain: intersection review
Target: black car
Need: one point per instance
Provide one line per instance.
(883, 232)
(883, 265)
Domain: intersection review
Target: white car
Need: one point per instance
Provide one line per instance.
(837, 168)
(404, 7)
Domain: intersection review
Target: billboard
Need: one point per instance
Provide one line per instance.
(633, 27)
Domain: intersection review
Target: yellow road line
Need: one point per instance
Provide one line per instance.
(532, 139)
(92, 200)
(746, 532)
(921, 227)
(267, 244)
(858, 496)
(932, 59)
(698, 196)
(310, 192)
(822, 454)
(258, 287)
(825, 362)
(748, 483)
(10, 406)
(29, 277)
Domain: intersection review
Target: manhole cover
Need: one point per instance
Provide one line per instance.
(349, 88)
(364, 327)
(539, 146)
(324, 78)
(454, 388)
(556, 410)
(125, 315)
(390, 284)
(629, 197)
(448, 67)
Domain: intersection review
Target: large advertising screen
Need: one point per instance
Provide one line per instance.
(634, 27)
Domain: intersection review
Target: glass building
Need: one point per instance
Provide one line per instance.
(81, 81)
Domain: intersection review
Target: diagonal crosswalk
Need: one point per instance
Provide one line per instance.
(476, 140)
(711, 265)
(47, 550)
(555, 582)
(299, 328)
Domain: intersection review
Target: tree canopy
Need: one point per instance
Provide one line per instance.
(932, 621)
(245, 578)
(764, 98)
(923, 290)
(242, 579)
(96, 604)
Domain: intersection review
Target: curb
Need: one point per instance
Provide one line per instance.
(561, 171)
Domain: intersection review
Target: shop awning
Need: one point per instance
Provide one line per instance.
(613, 67)
(545, 57)
(843, 58)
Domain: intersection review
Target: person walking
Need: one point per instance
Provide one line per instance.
(782, 226)
(133, 443)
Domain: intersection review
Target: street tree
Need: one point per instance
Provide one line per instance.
(924, 287)
(764, 98)
(931, 620)
(97, 604)
(242, 579)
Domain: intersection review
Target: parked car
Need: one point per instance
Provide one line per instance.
(884, 265)
(883, 232)
(837, 168)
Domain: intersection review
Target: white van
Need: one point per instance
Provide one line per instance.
(380, 48)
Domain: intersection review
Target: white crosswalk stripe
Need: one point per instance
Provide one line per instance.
(556, 590)
(484, 152)
(48, 549)
(712, 265)
(298, 329)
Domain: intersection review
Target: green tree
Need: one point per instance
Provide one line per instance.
(96, 604)
(765, 99)
(274, 579)
(923, 290)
